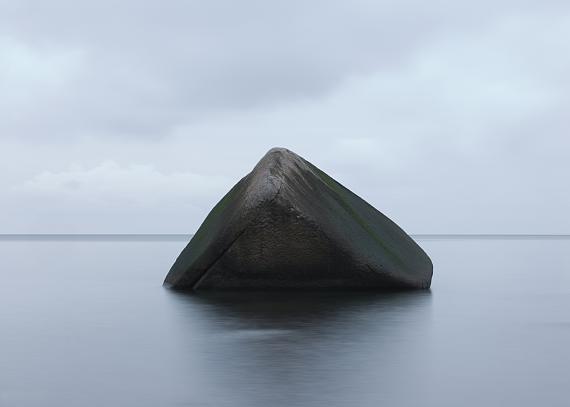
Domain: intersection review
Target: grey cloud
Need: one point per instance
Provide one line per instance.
(447, 117)
(142, 68)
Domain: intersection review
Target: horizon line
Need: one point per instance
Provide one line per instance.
(187, 236)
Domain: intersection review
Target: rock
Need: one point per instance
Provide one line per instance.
(288, 225)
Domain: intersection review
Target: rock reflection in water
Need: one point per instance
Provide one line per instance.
(297, 348)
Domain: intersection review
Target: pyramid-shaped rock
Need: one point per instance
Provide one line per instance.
(288, 225)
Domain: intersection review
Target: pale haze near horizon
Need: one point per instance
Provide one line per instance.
(129, 117)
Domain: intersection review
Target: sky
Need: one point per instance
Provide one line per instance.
(137, 117)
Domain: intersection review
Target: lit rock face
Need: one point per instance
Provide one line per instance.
(288, 225)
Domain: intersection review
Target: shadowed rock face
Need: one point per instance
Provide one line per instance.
(288, 225)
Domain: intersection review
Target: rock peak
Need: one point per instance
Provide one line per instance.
(280, 150)
(280, 157)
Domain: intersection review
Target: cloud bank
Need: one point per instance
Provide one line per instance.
(122, 117)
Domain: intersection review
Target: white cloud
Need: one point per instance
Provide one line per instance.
(109, 197)
(137, 184)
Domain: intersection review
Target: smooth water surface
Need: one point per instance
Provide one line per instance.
(87, 323)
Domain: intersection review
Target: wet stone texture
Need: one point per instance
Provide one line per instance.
(288, 225)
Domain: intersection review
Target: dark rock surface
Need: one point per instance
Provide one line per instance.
(288, 225)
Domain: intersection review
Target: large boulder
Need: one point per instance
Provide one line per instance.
(288, 225)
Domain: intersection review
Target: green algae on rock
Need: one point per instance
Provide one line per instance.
(288, 225)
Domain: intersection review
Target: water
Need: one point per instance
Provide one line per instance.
(87, 323)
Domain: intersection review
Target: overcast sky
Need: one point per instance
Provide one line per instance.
(136, 117)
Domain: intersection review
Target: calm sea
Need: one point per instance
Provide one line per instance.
(85, 322)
